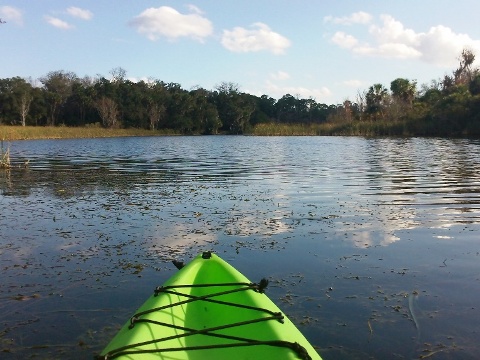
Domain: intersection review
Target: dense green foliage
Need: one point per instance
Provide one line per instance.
(450, 107)
(65, 99)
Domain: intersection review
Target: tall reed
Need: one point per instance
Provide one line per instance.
(4, 156)
(347, 128)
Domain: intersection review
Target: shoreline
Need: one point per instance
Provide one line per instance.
(363, 129)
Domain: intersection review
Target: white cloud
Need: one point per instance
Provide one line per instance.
(259, 37)
(279, 75)
(389, 50)
(167, 22)
(393, 31)
(441, 45)
(353, 83)
(56, 22)
(9, 13)
(80, 13)
(344, 40)
(360, 17)
(304, 93)
(390, 39)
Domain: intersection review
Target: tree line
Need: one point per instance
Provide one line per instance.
(62, 98)
(445, 107)
(449, 106)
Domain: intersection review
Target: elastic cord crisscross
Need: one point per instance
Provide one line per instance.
(241, 342)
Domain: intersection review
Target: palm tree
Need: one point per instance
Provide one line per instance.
(377, 97)
(403, 90)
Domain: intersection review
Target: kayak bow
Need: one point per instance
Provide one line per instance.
(209, 310)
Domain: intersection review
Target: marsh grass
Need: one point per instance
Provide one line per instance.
(63, 132)
(273, 129)
(351, 128)
(4, 156)
(347, 128)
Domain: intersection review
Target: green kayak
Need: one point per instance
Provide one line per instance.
(209, 310)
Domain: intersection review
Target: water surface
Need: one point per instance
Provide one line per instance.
(371, 245)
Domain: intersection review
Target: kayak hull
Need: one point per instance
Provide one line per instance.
(209, 310)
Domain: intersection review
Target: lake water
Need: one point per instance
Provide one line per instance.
(371, 246)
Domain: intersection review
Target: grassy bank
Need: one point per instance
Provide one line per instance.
(351, 128)
(357, 128)
(62, 132)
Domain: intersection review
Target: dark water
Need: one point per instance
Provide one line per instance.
(371, 246)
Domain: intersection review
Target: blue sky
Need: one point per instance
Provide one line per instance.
(328, 50)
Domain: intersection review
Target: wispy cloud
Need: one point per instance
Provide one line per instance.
(195, 9)
(360, 17)
(11, 14)
(167, 22)
(58, 23)
(353, 83)
(279, 75)
(389, 38)
(80, 13)
(259, 37)
(319, 94)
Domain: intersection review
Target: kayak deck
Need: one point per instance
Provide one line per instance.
(209, 310)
